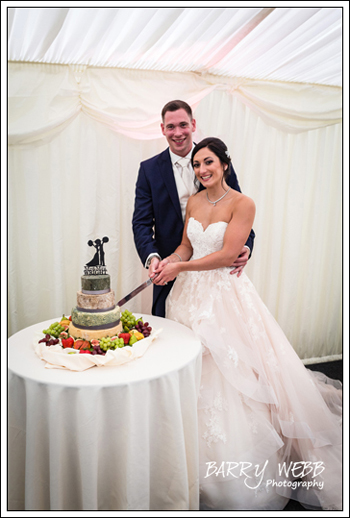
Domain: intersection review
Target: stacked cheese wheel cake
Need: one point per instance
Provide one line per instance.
(96, 315)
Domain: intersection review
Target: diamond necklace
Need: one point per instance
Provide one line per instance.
(215, 202)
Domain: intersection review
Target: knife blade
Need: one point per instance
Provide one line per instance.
(134, 292)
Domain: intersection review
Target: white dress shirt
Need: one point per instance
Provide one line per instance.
(184, 189)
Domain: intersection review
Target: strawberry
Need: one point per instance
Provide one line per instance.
(83, 351)
(125, 336)
(67, 342)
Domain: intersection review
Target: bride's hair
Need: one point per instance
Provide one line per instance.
(219, 148)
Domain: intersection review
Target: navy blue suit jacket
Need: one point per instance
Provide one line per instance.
(157, 220)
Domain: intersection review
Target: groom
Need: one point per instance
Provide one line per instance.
(164, 184)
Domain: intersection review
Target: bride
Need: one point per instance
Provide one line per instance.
(269, 429)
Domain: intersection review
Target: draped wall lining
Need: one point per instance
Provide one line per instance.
(76, 137)
(43, 99)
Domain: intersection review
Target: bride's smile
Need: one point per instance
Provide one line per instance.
(209, 171)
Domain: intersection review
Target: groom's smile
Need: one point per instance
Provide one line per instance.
(177, 129)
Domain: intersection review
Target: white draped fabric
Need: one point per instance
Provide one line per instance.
(44, 99)
(78, 439)
(82, 117)
(279, 44)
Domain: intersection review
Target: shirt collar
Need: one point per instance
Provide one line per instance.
(175, 158)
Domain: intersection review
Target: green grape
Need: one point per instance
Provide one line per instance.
(128, 320)
(55, 329)
(126, 315)
(105, 343)
(118, 342)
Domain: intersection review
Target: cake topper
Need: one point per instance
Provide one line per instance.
(97, 264)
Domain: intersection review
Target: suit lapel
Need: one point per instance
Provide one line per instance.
(167, 173)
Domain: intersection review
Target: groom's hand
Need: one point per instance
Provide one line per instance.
(240, 262)
(156, 271)
(153, 266)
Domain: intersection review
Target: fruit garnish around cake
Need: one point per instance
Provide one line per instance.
(137, 330)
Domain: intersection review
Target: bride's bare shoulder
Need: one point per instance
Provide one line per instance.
(242, 202)
(195, 199)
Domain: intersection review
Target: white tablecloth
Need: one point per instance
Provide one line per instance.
(108, 438)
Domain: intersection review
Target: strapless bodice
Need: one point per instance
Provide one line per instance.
(206, 241)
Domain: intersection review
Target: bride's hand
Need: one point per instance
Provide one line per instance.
(166, 272)
(162, 265)
(158, 267)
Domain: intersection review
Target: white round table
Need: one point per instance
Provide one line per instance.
(108, 438)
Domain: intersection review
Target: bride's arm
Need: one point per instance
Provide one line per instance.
(235, 237)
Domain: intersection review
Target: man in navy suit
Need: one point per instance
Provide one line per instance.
(161, 198)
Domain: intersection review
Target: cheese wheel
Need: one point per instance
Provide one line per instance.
(91, 283)
(83, 318)
(105, 301)
(89, 335)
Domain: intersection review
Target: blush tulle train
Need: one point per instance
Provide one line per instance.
(269, 428)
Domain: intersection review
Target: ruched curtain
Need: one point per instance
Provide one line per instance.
(45, 98)
(77, 134)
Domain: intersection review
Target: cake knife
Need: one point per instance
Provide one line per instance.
(134, 292)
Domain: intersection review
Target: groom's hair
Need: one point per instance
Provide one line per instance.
(173, 106)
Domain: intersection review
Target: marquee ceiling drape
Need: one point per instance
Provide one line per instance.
(276, 44)
(284, 63)
(86, 86)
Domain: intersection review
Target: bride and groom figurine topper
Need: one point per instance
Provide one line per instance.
(97, 264)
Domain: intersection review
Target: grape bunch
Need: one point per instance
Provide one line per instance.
(143, 328)
(55, 330)
(128, 320)
(97, 350)
(48, 340)
(108, 343)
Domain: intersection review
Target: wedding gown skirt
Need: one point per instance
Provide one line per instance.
(269, 429)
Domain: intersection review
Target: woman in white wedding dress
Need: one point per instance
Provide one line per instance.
(269, 429)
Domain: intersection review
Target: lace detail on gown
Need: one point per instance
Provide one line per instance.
(214, 430)
(258, 403)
